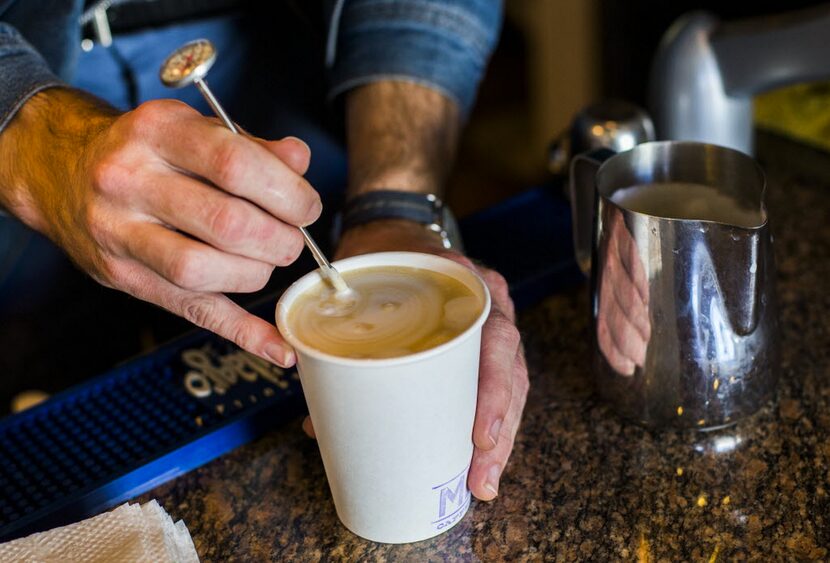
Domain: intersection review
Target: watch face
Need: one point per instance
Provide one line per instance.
(188, 63)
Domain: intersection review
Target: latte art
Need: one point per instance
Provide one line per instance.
(397, 311)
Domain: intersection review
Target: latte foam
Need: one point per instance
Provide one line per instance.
(397, 311)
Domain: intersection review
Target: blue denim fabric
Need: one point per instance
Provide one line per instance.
(443, 44)
(24, 72)
(39, 44)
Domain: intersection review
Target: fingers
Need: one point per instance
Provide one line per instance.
(635, 311)
(212, 311)
(156, 161)
(632, 263)
(499, 344)
(503, 385)
(240, 239)
(500, 340)
(487, 465)
(623, 323)
(228, 223)
(308, 427)
(621, 342)
(623, 247)
(241, 166)
(628, 338)
(626, 295)
(499, 292)
(191, 265)
(292, 151)
(616, 359)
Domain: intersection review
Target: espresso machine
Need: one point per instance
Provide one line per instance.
(706, 72)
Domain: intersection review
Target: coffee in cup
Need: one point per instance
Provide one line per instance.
(398, 311)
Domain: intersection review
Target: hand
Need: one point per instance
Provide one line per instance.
(164, 204)
(503, 381)
(623, 325)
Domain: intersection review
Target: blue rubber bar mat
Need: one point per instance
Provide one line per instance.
(158, 416)
(98, 444)
(527, 239)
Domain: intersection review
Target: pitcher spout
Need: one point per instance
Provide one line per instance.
(731, 273)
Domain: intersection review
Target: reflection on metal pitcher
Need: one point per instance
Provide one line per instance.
(623, 327)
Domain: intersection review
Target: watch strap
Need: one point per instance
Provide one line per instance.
(427, 209)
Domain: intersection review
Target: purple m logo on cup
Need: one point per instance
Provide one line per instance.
(453, 498)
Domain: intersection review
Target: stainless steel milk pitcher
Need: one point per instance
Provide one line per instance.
(685, 326)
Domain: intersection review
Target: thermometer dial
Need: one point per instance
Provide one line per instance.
(188, 63)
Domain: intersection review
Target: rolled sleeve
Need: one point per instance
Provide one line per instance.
(443, 44)
(23, 73)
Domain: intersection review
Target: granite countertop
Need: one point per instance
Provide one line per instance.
(583, 484)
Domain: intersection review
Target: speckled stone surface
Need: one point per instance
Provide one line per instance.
(583, 485)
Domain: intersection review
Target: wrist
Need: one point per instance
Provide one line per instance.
(43, 149)
(404, 180)
(399, 134)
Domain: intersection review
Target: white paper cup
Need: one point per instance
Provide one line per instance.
(395, 434)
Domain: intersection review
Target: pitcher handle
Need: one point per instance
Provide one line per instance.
(583, 193)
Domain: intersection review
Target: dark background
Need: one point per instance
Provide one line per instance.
(631, 32)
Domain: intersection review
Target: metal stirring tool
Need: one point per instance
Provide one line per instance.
(189, 64)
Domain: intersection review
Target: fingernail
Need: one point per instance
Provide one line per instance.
(314, 213)
(279, 355)
(494, 431)
(492, 482)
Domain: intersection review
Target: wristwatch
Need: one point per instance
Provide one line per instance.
(427, 209)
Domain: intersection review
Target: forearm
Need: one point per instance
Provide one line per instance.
(400, 136)
(409, 71)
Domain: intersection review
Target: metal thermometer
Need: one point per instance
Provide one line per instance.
(189, 64)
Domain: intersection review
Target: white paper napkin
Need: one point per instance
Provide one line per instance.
(130, 533)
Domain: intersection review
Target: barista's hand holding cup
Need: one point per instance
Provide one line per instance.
(391, 385)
